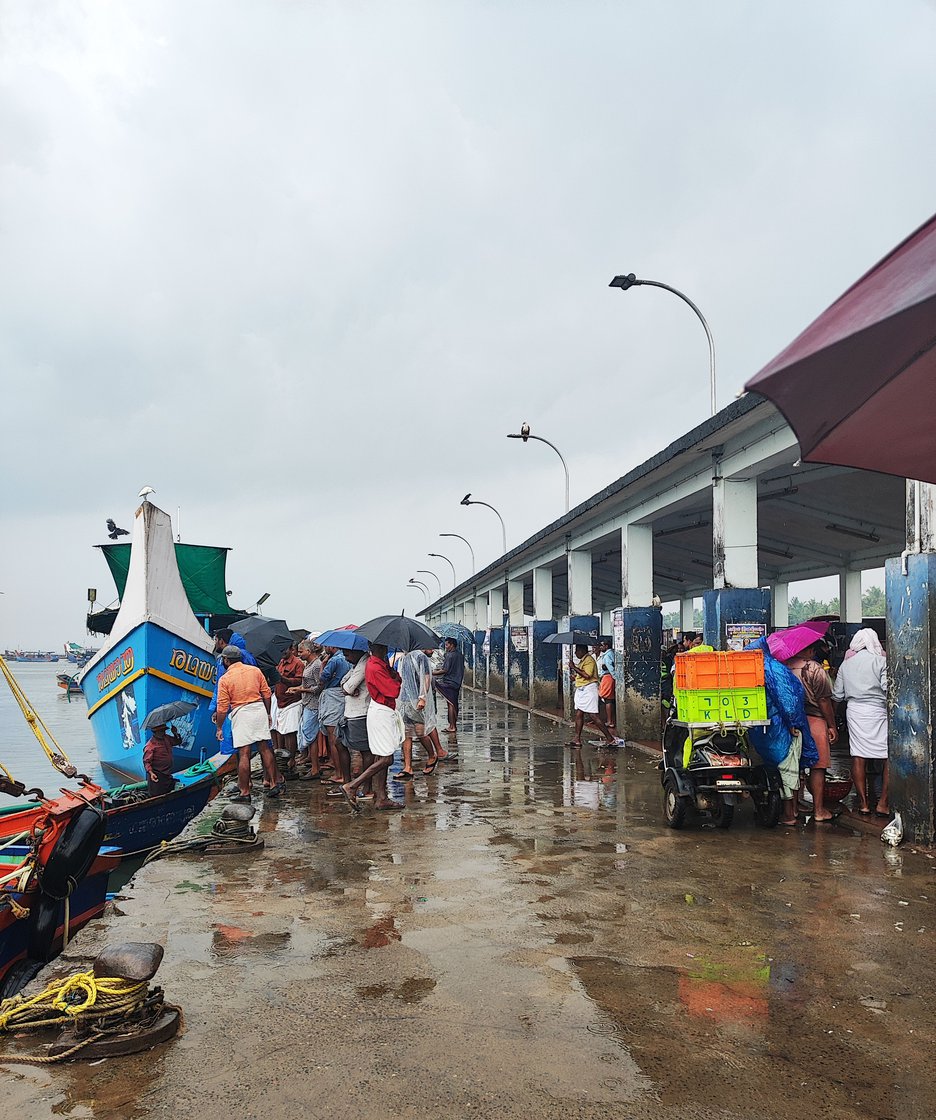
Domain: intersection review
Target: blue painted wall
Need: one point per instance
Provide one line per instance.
(480, 661)
(911, 670)
(732, 604)
(638, 687)
(495, 666)
(544, 666)
(518, 665)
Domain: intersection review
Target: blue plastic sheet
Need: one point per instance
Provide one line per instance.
(786, 710)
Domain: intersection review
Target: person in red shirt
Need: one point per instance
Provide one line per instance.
(288, 707)
(157, 760)
(383, 730)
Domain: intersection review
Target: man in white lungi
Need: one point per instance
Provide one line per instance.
(244, 692)
(585, 673)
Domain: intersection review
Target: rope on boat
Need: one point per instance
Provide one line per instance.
(54, 753)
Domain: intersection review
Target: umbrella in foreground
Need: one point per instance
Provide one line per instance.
(858, 387)
(266, 638)
(399, 632)
(572, 638)
(166, 713)
(785, 644)
(342, 639)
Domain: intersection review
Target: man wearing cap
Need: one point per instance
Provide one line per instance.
(244, 692)
(226, 637)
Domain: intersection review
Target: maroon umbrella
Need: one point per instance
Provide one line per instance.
(858, 387)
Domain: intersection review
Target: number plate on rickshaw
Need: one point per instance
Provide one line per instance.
(729, 783)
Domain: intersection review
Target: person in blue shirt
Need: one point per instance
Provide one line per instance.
(331, 707)
(226, 637)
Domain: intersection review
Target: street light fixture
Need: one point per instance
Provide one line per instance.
(525, 435)
(439, 556)
(469, 501)
(631, 281)
(467, 542)
(427, 572)
(423, 588)
(263, 598)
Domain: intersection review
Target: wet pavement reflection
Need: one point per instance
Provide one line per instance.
(527, 938)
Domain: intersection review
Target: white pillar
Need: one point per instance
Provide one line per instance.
(460, 613)
(607, 622)
(496, 608)
(637, 565)
(850, 596)
(580, 583)
(921, 523)
(481, 612)
(780, 604)
(687, 614)
(515, 601)
(542, 593)
(734, 532)
(469, 615)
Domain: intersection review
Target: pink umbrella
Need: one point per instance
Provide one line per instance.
(785, 644)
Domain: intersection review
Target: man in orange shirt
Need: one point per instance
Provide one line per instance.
(244, 692)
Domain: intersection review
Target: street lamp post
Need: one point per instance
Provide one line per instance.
(631, 281)
(525, 435)
(467, 542)
(439, 556)
(427, 572)
(423, 588)
(469, 501)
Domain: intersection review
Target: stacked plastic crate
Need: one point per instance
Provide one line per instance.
(720, 688)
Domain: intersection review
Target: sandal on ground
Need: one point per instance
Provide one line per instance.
(405, 775)
(389, 807)
(241, 799)
(276, 790)
(432, 765)
(352, 801)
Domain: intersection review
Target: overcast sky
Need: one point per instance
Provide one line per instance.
(301, 266)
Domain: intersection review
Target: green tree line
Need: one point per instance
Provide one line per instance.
(872, 606)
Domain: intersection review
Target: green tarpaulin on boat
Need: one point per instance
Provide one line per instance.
(201, 567)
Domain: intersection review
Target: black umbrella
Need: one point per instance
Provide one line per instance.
(266, 638)
(399, 632)
(166, 713)
(572, 638)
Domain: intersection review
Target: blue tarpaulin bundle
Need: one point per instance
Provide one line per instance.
(786, 710)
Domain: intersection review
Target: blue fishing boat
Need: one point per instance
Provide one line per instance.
(157, 651)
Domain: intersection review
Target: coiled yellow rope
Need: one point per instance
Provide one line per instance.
(62, 1001)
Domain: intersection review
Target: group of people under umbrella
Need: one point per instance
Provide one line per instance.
(368, 690)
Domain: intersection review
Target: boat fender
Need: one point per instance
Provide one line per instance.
(43, 923)
(73, 853)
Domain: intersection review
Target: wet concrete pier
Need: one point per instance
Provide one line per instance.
(527, 939)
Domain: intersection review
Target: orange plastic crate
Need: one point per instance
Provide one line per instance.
(720, 670)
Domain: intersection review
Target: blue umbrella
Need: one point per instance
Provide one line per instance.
(342, 639)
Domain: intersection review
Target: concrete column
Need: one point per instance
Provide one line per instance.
(480, 659)
(637, 673)
(687, 614)
(544, 666)
(495, 660)
(517, 661)
(460, 613)
(607, 621)
(469, 614)
(735, 615)
(496, 609)
(637, 565)
(580, 583)
(911, 691)
(780, 604)
(481, 612)
(515, 601)
(850, 597)
(734, 532)
(542, 594)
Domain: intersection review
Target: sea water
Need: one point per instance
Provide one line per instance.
(66, 717)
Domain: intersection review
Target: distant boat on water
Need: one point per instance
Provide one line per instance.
(69, 684)
(156, 651)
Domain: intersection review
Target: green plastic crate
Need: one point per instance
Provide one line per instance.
(726, 705)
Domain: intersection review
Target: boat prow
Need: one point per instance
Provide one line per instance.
(157, 652)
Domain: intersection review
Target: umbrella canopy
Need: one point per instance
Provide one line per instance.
(399, 632)
(858, 387)
(572, 638)
(266, 638)
(342, 639)
(455, 630)
(785, 644)
(166, 713)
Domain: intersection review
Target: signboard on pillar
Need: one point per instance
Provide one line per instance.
(741, 634)
(520, 638)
